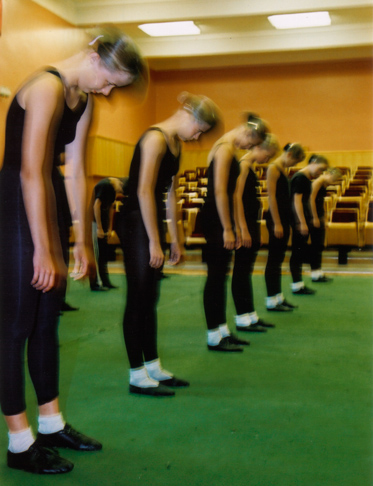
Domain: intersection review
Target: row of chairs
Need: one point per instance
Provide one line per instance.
(348, 214)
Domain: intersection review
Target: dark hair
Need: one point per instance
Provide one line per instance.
(118, 51)
(296, 151)
(124, 181)
(202, 108)
(318, 159)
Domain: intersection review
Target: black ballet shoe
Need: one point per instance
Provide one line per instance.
(279, 308)
(264, 324)
(109, 286)
(174, 382)
(98, 288)
(69, 438)
(323, 278)
(154, 391)
(67, 307)
(287, 304)
(39, 460)
(251, 328)
(304, 291)
(225, 345)
(233, 339)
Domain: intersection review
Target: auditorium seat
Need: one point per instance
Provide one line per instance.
(343, 232)
(354, 203)
(343, 228)
(368, 227)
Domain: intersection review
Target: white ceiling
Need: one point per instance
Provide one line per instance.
(233, 32)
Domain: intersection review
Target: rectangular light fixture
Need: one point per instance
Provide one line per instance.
(300, 20)
(161, 29)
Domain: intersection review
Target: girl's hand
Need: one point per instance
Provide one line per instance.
(176, 255)
(246, 239)
(100, 233)
(303, 229)
(279, 230)
(156, 255)
(316, 223)
(83, 261)
(229, 239)
(45, 274)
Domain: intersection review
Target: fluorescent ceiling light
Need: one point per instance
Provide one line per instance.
(170, 28)
(300, 20)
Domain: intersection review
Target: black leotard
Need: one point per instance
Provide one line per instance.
(26, 313)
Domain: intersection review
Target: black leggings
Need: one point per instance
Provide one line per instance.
(26, 315)
(102, 249)
(244, 261)
(140, 317)
(317, 246)
(299, 254)
(276, 254)
(217, 259)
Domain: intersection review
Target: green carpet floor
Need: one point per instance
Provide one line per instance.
(295, 409)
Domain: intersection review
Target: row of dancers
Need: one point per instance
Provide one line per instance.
(50, 116)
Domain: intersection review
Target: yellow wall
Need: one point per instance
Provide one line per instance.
(325, 106)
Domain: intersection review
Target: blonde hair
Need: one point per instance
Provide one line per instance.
(258, 126)
(117, 51)
(318, 159)
(202, 108)
(270, 143)
(296, 151)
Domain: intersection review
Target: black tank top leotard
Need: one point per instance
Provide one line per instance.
(168, 168)
(210, 216)
(250, 200)
(12, 211)
(320, 197)
(283, 200)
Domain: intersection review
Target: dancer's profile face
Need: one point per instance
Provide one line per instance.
(100, 80)
(193, 129)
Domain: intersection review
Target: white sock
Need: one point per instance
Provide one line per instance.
(271, 302)
(254, 318)
(224, 330)
(243, 320)
(139, 377)
(280, 298)
(213, 337)
(20, 441)
(49, 424)
(155, 370)
(315, 274)
(295, 286)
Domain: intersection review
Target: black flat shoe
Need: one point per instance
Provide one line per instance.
(264, 324)
(110, 286)
(175, 382)
(39, 460)
(233, 339)
(280, 308)
(226, 346)
(67, 307)
(98, 288)
(154, 391)
(287, 304)
(324, 278)
(251, 328)
(69, 438)
(304, 291)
